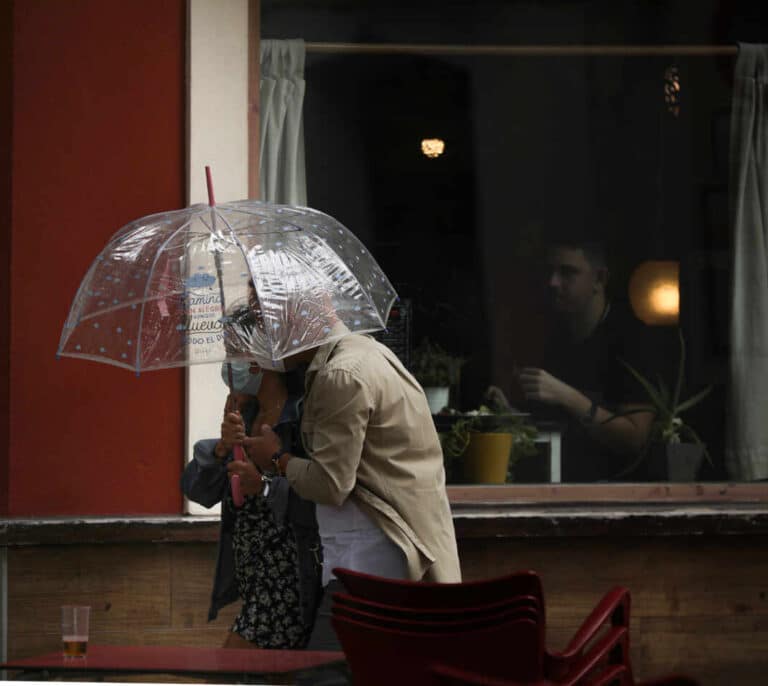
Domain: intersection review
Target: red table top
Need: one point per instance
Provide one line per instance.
(173, 659)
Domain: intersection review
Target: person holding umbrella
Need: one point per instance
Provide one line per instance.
(374, 465)
(269, 548)
(155, 298)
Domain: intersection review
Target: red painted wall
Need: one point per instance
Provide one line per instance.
(98, 140)
(6, 117)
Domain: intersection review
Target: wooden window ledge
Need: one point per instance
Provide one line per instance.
(479, 512)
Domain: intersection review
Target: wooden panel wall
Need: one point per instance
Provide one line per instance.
(142, 594)
(699, 604)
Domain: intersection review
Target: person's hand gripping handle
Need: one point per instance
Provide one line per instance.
(232, 434)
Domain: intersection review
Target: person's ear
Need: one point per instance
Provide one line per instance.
(601, 277)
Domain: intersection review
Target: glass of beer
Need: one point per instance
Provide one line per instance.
(74, 629)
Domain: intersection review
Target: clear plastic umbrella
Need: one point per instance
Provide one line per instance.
(211, 283)
(161, 291)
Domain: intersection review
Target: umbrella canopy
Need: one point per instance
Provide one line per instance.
(163, 290)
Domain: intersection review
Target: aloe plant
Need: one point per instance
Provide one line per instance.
(668, 427)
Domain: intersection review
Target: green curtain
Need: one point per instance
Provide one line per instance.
(747, 430)
(282, 170)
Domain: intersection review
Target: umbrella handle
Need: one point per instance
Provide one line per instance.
(234, 482)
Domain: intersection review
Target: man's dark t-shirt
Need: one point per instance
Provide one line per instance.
(593, 367)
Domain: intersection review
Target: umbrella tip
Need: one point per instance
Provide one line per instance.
(138, 373)
(209, 184)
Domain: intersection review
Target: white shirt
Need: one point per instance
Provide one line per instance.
(352, 540)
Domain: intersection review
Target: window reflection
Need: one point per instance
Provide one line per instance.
(543, 149)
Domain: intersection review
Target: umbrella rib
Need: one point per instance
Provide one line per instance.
(127, 303)
(248, 266)
(98, 358)
(118, 235)
(318, 241)
(220, 275)
(123, 365)
(371, 303)
(146, 288)
(67, 332)
(242, 210)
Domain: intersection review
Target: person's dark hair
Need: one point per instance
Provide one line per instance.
(240, 317)
(237, 327)
(593, 248)
(594, 251)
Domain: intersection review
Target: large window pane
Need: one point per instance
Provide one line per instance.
(625, 149)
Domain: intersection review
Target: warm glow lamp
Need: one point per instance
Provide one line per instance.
(654, 292)
(432, 147)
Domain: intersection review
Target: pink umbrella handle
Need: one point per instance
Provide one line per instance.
(234, 482)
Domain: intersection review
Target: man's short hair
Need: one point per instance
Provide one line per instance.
(593, 247)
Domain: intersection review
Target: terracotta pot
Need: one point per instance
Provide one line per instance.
(486, 458)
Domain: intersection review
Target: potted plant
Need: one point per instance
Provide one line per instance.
(436, 370)
(483, 446)
(674, 449)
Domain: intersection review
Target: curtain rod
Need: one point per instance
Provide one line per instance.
(521, 50)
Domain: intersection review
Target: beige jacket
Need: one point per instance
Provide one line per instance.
(369, 430)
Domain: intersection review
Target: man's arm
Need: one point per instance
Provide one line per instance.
(341, 409)
(624, 434)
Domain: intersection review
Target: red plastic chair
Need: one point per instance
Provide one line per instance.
(600, 644)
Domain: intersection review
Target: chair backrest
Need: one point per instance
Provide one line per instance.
(378, 655)
(435, 614)
(453, 624)
(428, 595)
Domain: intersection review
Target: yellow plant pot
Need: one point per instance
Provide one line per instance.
(486, 458)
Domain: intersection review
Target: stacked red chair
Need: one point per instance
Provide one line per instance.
(492, 631)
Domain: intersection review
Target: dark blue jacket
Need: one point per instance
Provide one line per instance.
(205, 481)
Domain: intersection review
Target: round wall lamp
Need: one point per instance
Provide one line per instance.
(654, 292)
(432, 147)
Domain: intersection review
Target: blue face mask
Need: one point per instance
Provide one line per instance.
(242, 379)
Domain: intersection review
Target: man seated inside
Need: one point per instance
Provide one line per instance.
(582, 382)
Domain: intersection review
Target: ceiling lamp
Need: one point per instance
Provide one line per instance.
(432, 147)
(672, 90)
(654, 292)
